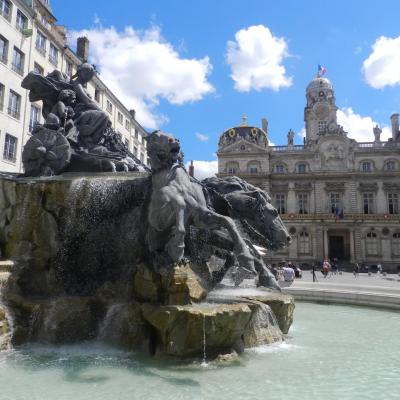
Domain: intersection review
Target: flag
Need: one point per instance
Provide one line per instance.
(339, 213)
(321, 70)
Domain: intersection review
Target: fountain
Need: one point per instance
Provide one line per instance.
(107, 250)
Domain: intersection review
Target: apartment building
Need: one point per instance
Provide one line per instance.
(31, 39)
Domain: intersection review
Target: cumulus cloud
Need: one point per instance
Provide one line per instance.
(204, 169)
(255, 58)
(360, 127)
(382, 67)
(201, 137)
(141, 68)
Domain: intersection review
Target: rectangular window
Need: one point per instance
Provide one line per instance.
(3, 49)
(53, 54)
(135, 151)
(393, 203)
(368, 203)
(14, 104)
(21, 22)
(38, 69)
(10, 148)
(18, 61)
(280, 202)
(5, 9)
(127, 125)
(34, 118)
(142, 157)
(127, 143)
(41, 43)
(136, 134)
(109, 106)
(304, 243)
(302, 200)
(280, 169)
(68, 68)
(2, 91)
(97, 95)
(301, 168)
(334, 202)
(322, 125)
(120, 118)
(366, 167)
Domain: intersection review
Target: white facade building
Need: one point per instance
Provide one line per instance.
(31, 40)
(339, 198)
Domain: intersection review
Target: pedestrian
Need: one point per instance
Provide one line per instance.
(356, 270)
(288, 274)
(326, 267)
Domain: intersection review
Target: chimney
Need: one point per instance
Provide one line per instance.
(395, 125)
(82, 48)
(133, 113)
(264, 125)
(191, 168)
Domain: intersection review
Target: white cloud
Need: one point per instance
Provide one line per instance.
(255, 58)
(141, 68)
(358, 127)
(302, 133)
(204, 169)
(382, 67)
(201, 137)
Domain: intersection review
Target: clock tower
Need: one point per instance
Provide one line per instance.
(320, 111)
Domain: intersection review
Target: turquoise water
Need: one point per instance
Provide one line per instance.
(332, 352)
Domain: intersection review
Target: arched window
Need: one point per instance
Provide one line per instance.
(304, 244)
(390, 165)
(396, 244)
(280, 168)
(371, 242)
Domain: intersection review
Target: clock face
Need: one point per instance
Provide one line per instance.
(322, 111)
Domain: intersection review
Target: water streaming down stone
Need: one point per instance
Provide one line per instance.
(263, 327)
(204, 363)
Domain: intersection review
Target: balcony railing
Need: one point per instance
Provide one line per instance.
(346, 217)
(297, 147)
(14, 112)
(18, 68)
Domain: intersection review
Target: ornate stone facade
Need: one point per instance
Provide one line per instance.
(338, 197)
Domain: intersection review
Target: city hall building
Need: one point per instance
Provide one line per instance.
(31, 40)
(339, 198)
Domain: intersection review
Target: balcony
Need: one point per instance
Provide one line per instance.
(347, 217)
(14, 112)
(18, 68)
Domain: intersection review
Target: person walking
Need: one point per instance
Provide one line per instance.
(356, 270)
(326, 267)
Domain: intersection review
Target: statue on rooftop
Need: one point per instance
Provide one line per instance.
(90, 145)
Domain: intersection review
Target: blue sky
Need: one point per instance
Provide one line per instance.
(172, 64)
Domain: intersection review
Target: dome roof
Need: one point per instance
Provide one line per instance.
(319, 83)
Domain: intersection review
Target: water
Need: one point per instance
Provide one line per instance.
(333, 352)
